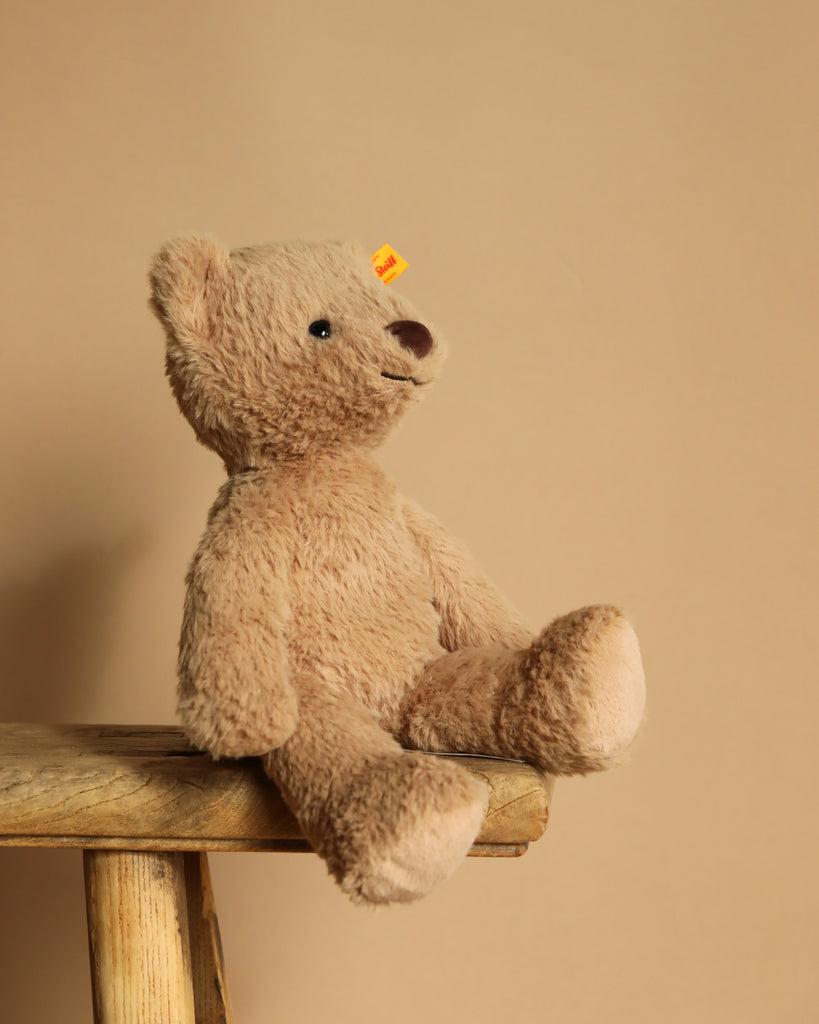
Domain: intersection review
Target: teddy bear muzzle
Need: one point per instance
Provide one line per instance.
(412, 336)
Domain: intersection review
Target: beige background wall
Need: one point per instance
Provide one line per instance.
(612, 210)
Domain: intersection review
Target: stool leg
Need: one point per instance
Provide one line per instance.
(138, 937)
(210, 991)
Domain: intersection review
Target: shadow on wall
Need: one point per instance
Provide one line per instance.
(43, 942)
(56, 632)
(55, 639)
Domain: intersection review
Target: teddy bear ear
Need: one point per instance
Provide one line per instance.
(187, 277)
(351, 248)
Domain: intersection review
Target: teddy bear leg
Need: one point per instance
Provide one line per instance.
(570, 702)
(391, 824)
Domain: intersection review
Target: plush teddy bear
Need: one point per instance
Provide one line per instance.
(330, 621)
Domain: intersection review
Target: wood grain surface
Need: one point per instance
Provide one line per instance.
(211, 997)
(145, 788)
(138, 937)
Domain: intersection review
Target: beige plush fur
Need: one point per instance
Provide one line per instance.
(328, 619)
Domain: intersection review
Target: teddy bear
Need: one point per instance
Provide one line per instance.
(331, 626)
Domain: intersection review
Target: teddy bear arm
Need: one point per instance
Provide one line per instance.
(236, 696)
(474, 613)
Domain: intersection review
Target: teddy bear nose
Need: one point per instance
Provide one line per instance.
(413, 336)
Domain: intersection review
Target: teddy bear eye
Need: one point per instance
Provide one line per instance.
(321, 329)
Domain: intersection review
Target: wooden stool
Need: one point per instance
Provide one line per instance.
(144, 807)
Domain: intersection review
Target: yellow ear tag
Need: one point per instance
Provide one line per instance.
(388, 264)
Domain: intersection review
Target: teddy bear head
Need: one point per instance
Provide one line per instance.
(275, 352)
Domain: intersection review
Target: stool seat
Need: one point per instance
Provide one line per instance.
(145, 807)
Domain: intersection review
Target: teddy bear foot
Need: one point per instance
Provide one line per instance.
(592, 684)
(407, 830)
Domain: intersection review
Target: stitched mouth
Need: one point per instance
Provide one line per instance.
(395, 376)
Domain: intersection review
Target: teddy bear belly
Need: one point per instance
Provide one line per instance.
(370, 634)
